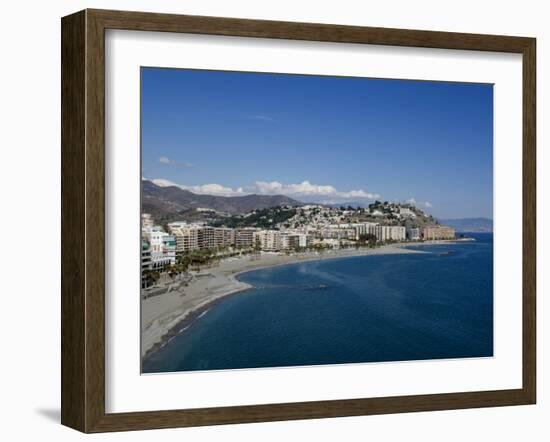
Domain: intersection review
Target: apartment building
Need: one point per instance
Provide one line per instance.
(413, 233)
(297, 240)
(390, 233)
(187, 236)
(162, 246)
(364, 229)
(244, 238)
(438, 232)
(224, 237)
(269, 240)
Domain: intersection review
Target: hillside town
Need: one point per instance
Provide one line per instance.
(174, 247)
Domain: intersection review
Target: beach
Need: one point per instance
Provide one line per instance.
(165, 315)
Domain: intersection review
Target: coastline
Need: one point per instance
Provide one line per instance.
(166, 315)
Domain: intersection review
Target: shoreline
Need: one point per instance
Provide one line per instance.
(165, 316)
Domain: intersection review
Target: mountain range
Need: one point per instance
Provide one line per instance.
(169, 202)
(162, 201)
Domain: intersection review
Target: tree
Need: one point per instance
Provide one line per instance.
(150, 277)
(257, 246)
(172, 271)
(366, 237)
(183, 262)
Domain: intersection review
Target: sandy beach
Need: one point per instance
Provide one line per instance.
(165, 315)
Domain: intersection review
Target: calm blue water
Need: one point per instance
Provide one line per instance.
(372, 309)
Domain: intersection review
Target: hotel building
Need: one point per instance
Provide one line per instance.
(269, 240)
(187, 236)
(364, 229)
(297, 240)
(244, 238)
(438, 232)
(224, 237)
(162, 246)
(206, 237)
(390, 233)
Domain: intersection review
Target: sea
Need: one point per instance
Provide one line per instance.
(368, 309)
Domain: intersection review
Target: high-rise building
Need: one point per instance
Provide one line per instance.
(390, 233)
(438, 232)
(187, 236)
(364, 229)
(169, 249)
(224, 237)
(146, 262)
(162, 246)
(413, 233)
(297, 240)
(244, 238)
(207, 239)
(269, 240)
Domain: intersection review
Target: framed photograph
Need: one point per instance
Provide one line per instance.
(269, 220)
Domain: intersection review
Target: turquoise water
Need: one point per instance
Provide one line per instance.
(361, 309)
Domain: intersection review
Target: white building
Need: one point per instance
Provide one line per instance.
(413, 233)
(269, 240)
(341, 231)
(364, 229)
(146, 221)
(297, 240)
(406, 212)
(162, 246)
(390, 233)
(284, 241)
(169, 249)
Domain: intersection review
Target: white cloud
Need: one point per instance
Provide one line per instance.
(169, 162)
(215, 189)
(411, 201)
(305, 189)
(205, 189)
(163, 183)
(428, 204)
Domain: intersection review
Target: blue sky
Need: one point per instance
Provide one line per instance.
(324, 139)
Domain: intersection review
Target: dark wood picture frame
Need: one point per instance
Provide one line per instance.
(83, 218)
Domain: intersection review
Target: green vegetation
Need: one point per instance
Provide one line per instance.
(263, 218)
(150, 277)
(366, 240)
(189, 215)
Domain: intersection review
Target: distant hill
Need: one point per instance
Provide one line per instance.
(469, 224)
(163, 202)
